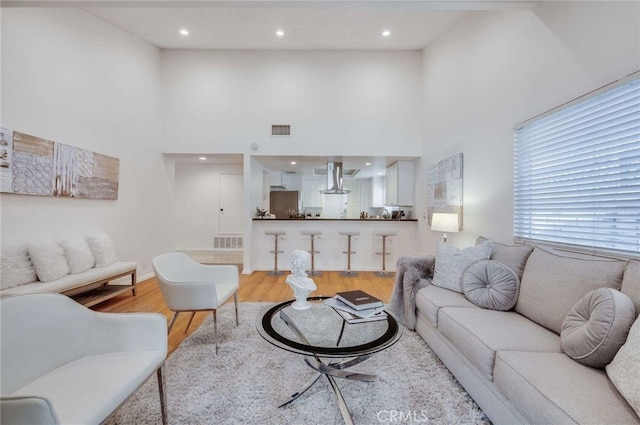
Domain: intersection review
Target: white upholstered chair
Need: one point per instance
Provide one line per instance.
(63, 363)
(187, 285)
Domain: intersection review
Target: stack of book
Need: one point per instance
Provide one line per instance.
(357, 306)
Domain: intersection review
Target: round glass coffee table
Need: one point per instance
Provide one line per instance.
(330, 344)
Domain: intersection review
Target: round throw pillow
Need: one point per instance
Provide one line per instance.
(597, 326)
(490, 284)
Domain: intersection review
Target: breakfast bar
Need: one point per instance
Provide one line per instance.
(330, 246)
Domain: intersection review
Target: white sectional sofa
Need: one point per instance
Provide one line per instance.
(80, 266)
(513, 363)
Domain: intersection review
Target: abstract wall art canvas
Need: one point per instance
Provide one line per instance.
(30, 165)
(444, 187)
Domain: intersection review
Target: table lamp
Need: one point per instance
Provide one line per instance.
(444, 222)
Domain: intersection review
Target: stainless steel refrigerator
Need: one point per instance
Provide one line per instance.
(282, 200)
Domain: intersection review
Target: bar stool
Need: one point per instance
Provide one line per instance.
(348, 234)
(275, 234)
(384, 253)
(312, 233)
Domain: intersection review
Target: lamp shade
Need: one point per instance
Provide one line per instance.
(444, 222)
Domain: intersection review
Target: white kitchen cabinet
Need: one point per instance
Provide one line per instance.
(377, 192)
(277, 179)
(282, 180)
(400, 184)
(292, 181)
(312, 196)
(365, 194)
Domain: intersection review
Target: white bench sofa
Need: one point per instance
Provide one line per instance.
(63, 363)
(514, 363)
(79, 266)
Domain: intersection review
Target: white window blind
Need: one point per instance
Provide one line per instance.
(577, 174)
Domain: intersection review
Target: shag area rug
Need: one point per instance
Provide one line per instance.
(249, 378)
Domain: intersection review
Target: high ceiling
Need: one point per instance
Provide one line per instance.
(307, 25)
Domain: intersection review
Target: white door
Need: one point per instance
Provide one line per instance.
(231, 206)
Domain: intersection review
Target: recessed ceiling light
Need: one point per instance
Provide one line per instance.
(381, 174)
(280, 33)
(386, 33)
(184, 32)
(203, 158)
(293, 163)
(367, 163)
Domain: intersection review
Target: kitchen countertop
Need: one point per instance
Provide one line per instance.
(376, 220)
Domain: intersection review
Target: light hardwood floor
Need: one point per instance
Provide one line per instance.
(256, 287)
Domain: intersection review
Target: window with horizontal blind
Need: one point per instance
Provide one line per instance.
(577, 173)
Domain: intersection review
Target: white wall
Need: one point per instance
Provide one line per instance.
(338, 103)
(70, 77)
(197, 203)
(494, 70)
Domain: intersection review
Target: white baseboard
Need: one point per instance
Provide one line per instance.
(142, 278)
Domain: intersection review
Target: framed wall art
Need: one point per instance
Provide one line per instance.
(444, 188)
(30, 165)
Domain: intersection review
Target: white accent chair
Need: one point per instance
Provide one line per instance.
(63, 363)
(187, 285)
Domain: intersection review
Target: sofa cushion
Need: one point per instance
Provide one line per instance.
(550, 388)
(48, 259)
(552, 283)
(624, 370)
(631, 283)
(451, 262)
(479, 334)
(78, 254)
(490, 284)
(72, 281)
(430, 299)
(94, 386)
(102, 248)
(513, 256)
(597, 326)
(16, 267)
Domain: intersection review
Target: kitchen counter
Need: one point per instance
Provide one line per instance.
(331, 244)
(377, 220)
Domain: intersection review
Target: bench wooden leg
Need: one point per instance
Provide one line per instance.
(134, 282)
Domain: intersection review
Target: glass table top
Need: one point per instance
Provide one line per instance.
(321, 328)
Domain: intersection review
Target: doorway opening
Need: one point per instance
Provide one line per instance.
(209, 207)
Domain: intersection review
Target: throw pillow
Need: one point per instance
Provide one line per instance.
(79, 255)
(597, 326)
(513, 256)
(451, 262)
(102, 248)
(48, 259)
(17, 268)
(490, 284)
(624, 370)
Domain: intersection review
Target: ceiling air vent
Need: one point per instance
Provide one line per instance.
(280, 130)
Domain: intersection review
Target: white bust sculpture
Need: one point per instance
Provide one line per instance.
(298, 280)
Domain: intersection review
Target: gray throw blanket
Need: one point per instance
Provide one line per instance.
(412, 274)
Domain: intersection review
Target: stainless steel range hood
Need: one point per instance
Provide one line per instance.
(334, 179)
